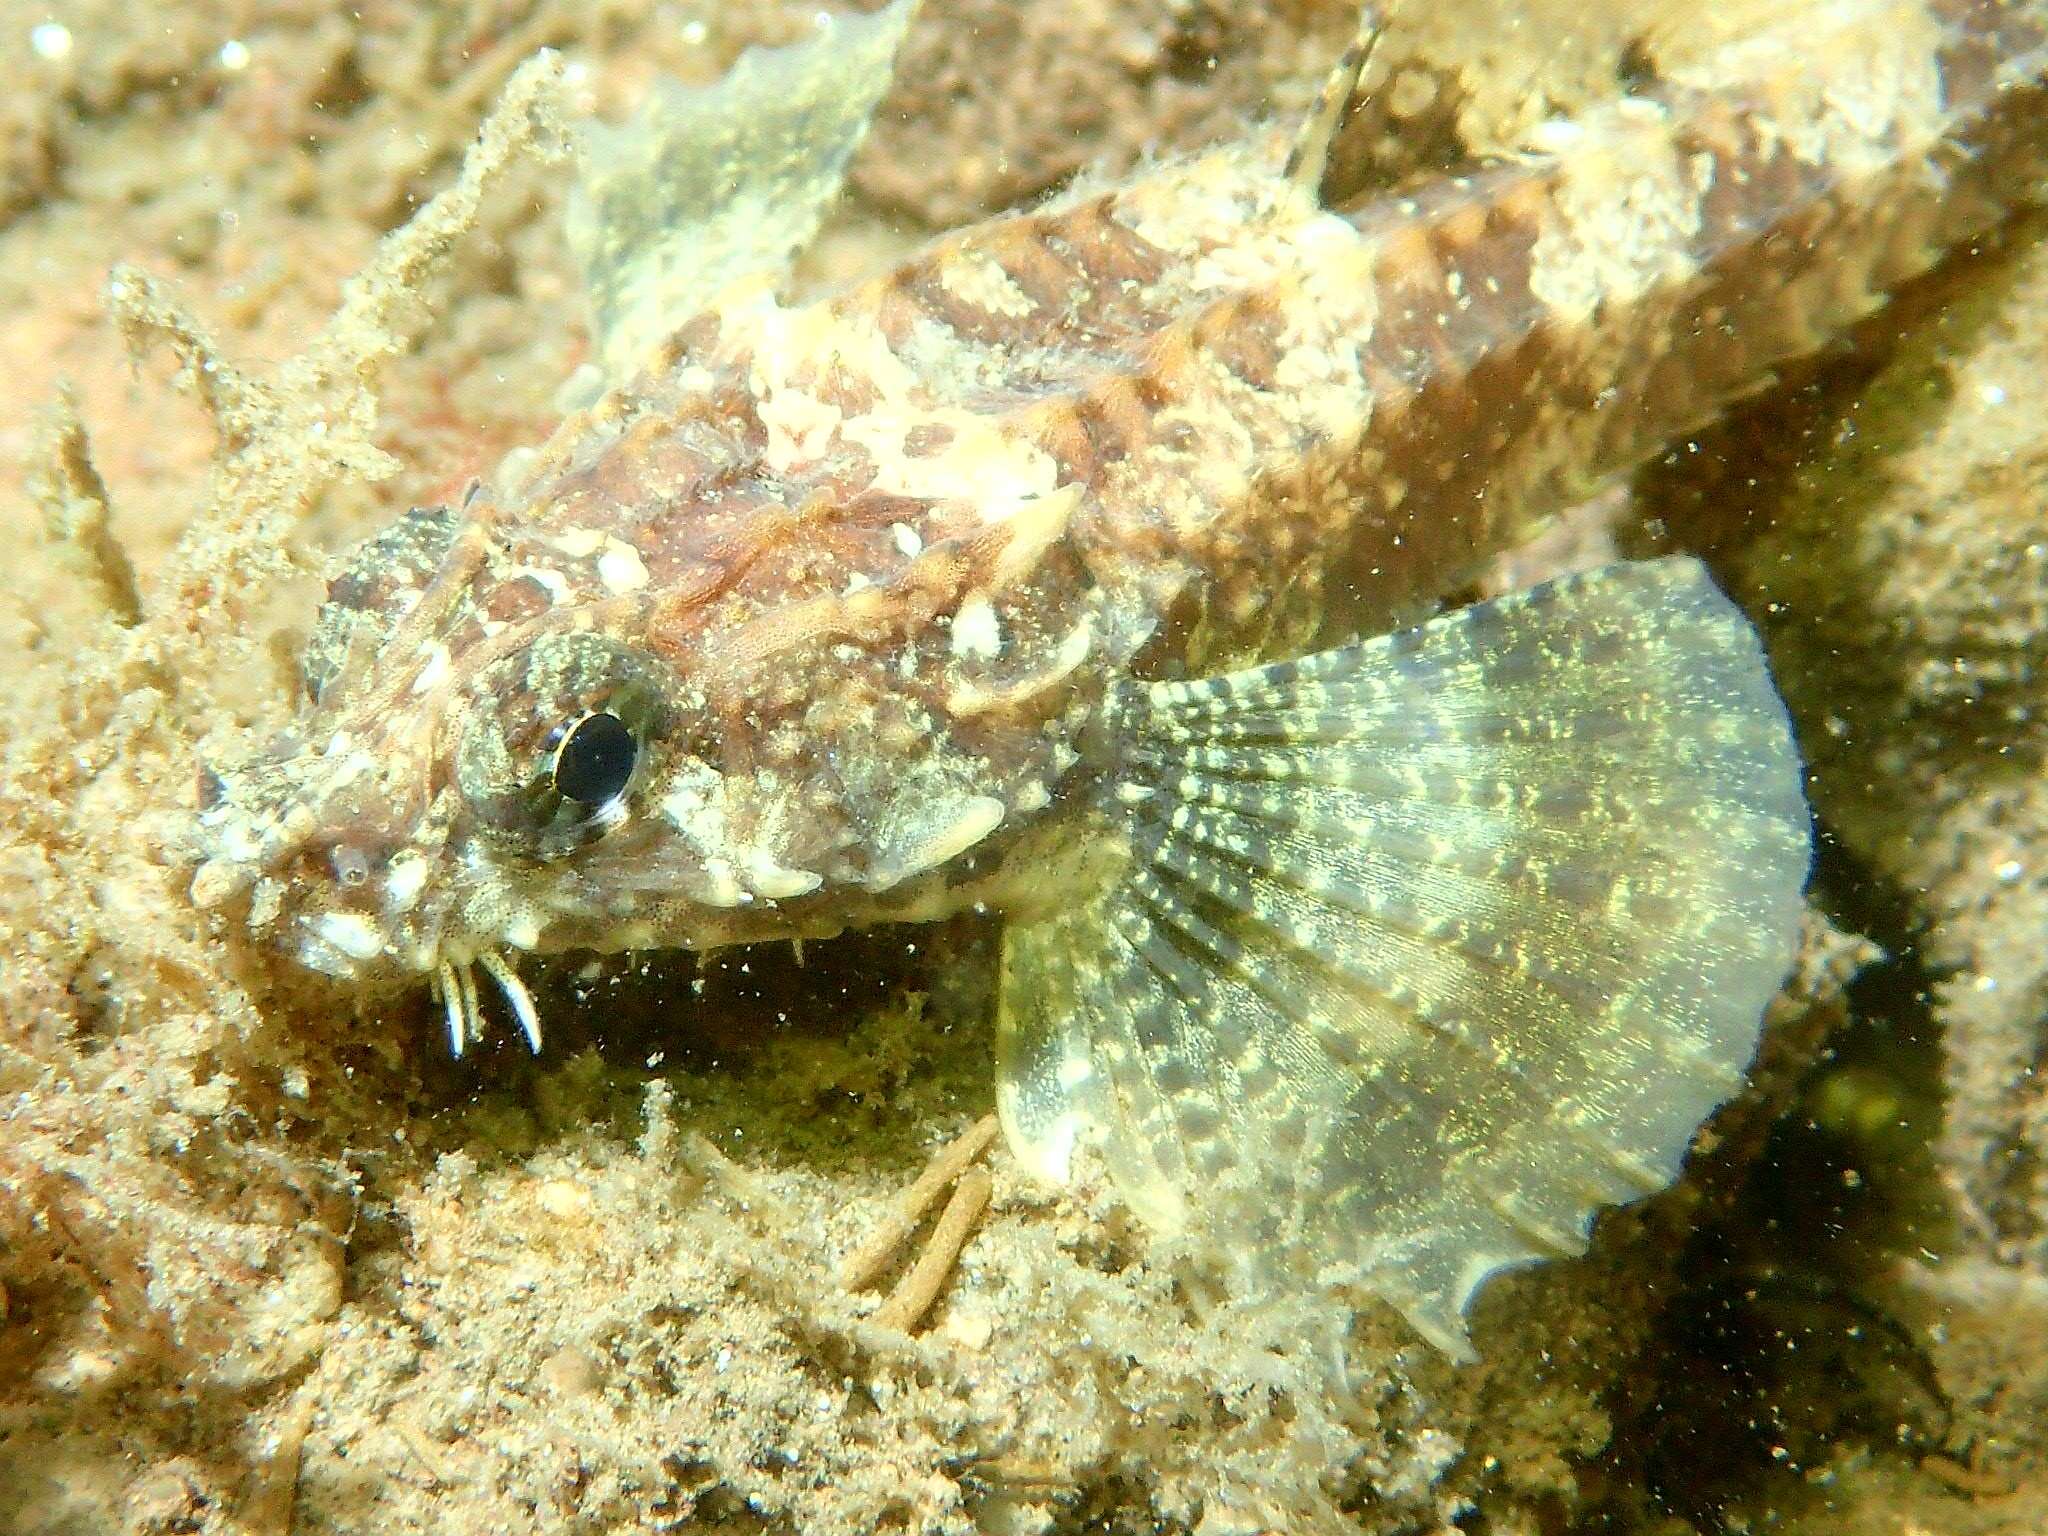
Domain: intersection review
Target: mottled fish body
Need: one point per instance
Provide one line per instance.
(1005, 577)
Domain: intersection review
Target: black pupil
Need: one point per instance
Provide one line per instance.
(595, 760)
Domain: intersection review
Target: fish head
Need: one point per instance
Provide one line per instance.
(491, 759)
(518, 741)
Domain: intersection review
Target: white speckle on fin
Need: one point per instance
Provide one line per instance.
(1424, 949)
(708, 185)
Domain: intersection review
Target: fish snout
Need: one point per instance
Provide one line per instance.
(326, 854)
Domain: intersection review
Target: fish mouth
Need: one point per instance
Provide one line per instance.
(349, 946)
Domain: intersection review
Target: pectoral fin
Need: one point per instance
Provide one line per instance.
(1411, 955)
(707, 185)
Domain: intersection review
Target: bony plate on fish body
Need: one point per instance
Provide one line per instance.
(1070, 568)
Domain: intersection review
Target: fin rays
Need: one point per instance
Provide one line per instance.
(1428, 947)
(1210, 870)
(708, 185)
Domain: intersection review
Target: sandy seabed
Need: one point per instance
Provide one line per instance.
(269, 1262)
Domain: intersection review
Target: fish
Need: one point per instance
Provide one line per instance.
(1091, 566)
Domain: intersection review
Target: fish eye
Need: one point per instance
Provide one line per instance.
(595, 760)
(559, 737)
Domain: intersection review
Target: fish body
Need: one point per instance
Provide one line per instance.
(1029, 575)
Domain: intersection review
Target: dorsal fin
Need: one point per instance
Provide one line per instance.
(708, 184)
(1309, 159)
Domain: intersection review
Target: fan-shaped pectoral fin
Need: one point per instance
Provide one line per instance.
(1419, 952)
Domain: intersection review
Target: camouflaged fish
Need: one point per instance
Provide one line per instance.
(1032, 574)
